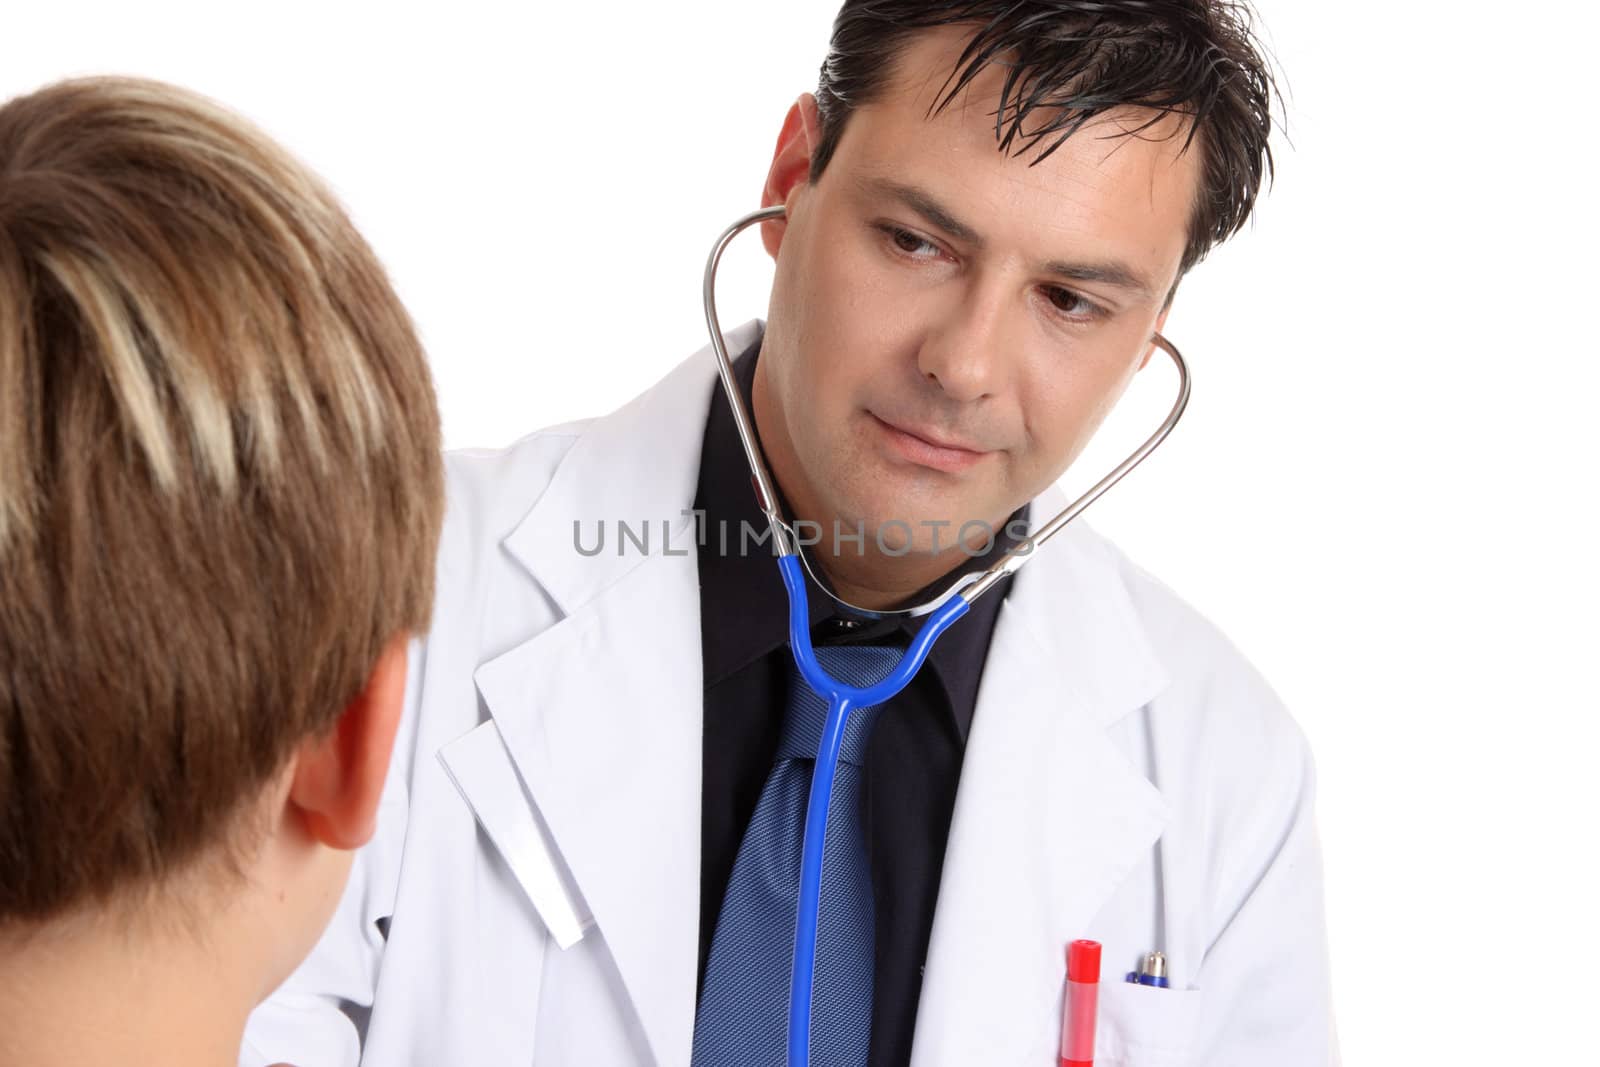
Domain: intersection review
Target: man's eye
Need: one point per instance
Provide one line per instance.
(910, 243)
(1069, 303)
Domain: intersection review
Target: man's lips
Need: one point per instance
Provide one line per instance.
(923, 448)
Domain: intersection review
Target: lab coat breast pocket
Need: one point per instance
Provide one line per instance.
(1145, 1026)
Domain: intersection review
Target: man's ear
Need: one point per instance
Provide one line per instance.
(1150, 349)
(338, 778)
(791, 166)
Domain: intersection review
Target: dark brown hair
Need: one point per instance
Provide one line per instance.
(220, 480)
(1067, 61)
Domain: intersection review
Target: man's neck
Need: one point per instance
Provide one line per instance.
(883, 582)
(76, 994)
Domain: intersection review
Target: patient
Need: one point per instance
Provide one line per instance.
(220, 495)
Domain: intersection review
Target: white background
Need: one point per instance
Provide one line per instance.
(1384, 490)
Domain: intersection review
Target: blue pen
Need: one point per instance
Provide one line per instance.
(1152, 971)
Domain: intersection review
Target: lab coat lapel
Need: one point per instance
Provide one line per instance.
(601, 713)
(1050, 815)
(602, 717)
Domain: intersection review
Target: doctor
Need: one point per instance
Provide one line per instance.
(581, 855)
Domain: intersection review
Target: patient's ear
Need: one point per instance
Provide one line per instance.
(338, 779)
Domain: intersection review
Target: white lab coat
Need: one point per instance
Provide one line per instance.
(1128, 778)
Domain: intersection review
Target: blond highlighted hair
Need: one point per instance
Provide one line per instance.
(220, 481)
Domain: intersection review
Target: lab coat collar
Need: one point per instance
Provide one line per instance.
(1074, 600)
(638, 465)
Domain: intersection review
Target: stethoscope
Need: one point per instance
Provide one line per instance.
(942, 611)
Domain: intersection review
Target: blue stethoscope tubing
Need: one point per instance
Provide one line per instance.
(843, 699)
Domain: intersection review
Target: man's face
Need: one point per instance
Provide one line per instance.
(948, 324)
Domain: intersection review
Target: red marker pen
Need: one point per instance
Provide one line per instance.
(1082, 1005)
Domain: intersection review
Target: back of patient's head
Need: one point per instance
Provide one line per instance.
(220, 483)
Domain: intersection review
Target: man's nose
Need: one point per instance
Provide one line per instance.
(967, 353)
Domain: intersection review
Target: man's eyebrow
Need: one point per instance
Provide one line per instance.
(1112, 273)
(924, 204)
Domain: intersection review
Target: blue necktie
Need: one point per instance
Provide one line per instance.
(743, 1018)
